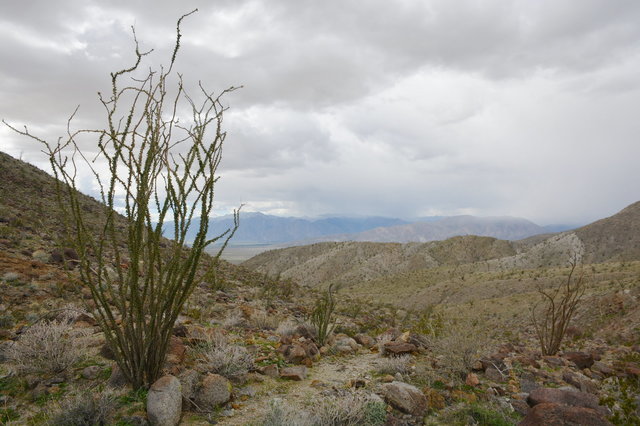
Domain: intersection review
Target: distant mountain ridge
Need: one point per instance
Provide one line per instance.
(504, 228)
(613, 239)
(262, 229)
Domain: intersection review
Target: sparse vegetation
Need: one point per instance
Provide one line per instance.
(219, 356)
(85, 409)
(559, 306)
(48, 347)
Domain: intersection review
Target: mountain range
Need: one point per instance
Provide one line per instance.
(262, 229)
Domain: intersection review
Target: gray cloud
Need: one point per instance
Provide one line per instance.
(398, 107)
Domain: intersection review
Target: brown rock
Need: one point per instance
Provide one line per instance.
(565, 397)
(603, 368)
(494, 375)
(472, 380)
(365, 340)
(294, 373)
(579, 381)
(176, 351)
(554, 360)
(296, 354)
(580, 359)
(405, 397)
(399, 348)
(550, 414)
(270, 370)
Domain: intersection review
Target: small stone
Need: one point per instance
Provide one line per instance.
(117, 378)
(472, 380)
(580, 359)
(270, 370)
(294, 373)
(388, 378)
(91, 372)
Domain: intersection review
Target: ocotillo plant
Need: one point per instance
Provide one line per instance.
(165, 171)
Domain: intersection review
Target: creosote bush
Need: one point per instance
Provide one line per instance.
(160, 172)
(48, 347)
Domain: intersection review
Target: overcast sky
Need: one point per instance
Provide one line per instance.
(385, 107)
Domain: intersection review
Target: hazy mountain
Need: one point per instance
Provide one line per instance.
(506, 228)
(259, 228)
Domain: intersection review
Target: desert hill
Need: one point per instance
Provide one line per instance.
(616, 238)
(426, 333)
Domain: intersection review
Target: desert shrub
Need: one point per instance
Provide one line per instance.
(85, 409)
(559, 305)
(263, 321)
(475, 414)
(393, 365)
(429, 322)
(322, 315)
(7, 320)
(623, 399)
(346, 409)
(221, 357)
(458, 348)
(48, 347)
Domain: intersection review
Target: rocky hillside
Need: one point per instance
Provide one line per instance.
(245, 350)
(349, 262)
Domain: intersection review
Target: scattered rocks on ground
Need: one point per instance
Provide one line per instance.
(405, 397)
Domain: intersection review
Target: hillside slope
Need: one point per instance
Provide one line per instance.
(347, 262)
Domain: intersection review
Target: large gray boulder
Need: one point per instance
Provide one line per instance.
(405, 397)
(164, 402)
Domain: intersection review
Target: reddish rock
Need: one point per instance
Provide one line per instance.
(270, 370)
(294, 373)
(399, 348)
(632, 371)
(549, 414)
(565, 397)
(296, 354)
(580, 359)
(472, 380)
(579, 381)
(176, 351)
(603, 369)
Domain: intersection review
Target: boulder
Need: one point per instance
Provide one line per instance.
(550, 414)
(565, 397)
(164, 402)
(214, 391)
(405, 397)
(396, 348)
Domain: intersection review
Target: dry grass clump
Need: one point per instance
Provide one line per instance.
(263, 321)
(85, 409)
(401, 364)
(219, 356)
(48, 347)
(350, 408)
